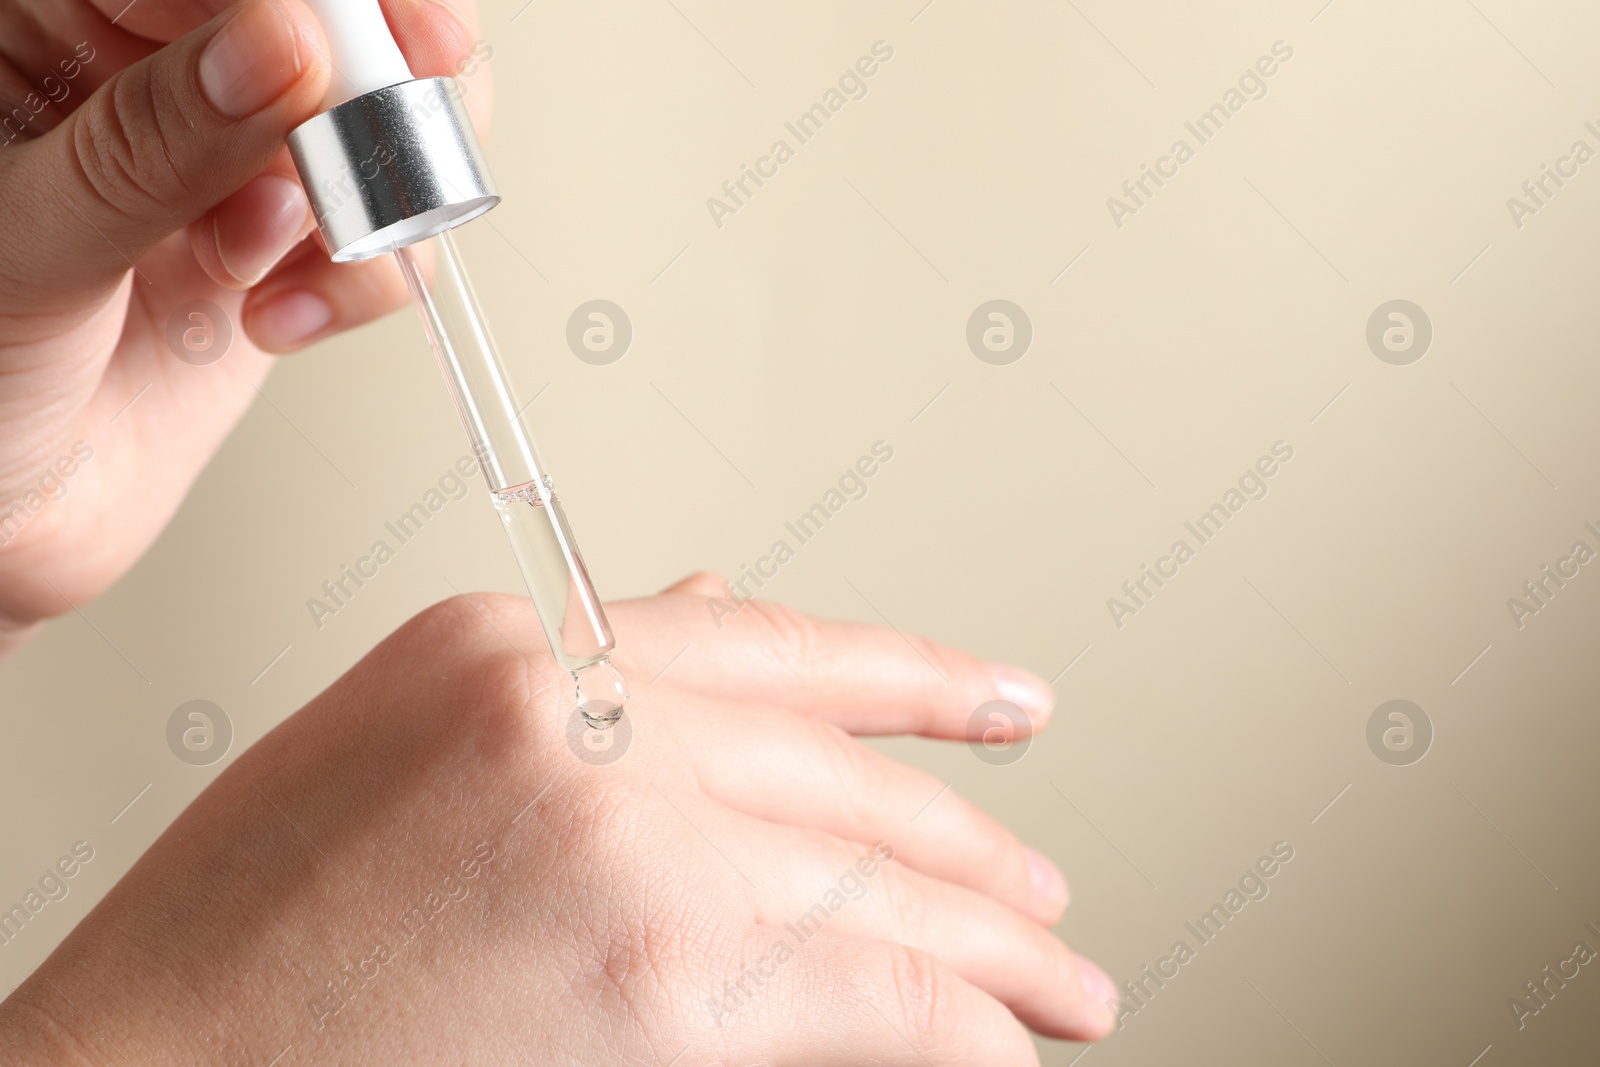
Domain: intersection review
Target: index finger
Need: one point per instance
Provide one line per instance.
(864, 679)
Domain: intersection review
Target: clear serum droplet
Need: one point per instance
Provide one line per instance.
(602, 693)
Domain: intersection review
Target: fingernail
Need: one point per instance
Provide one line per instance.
(1097, 984)
(256, 226)
(1048, 881)
(1024, 689)
(290, 319)
(251, 60)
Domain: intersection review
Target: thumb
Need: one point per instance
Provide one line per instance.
(156, 147)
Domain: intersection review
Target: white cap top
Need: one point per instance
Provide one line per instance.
(364, 54)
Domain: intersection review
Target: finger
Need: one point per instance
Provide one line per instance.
(701, 583)
(241, 239)
(308, 298)
(156, 147)
(815, 882)
(808, 773)
(804, 882)
(433, 36)
(866, 679)
(23, 113)
(844, 1000)
(249, 234)
(440, 38)
(164, 21)
(65, 56)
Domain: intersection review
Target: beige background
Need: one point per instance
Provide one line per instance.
(827, 314)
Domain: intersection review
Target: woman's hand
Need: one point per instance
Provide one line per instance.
(147, 207)
(436, 862)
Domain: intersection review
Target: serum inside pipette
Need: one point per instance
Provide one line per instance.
(569, 608)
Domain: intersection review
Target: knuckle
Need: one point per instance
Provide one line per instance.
(950, 664)
(856, 773)
(664, 942)
(122, 142)
(845, 762)
(996, 850)
(455, 622)
(477, 645)
(703, 583)
(792, 636)
(1005, 859)
(908, 903)
(922, 992)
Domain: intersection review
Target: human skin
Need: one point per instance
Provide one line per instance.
(167, 158)
(608, 903)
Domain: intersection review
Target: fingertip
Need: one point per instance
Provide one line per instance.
(1024, 689)
(700, 583)
(440, 39)
(243, 238)
(1101, 993)
(309, 298)
(264, 54)
(288, 320)
(162, 142)
(316, 66)
(433, 35)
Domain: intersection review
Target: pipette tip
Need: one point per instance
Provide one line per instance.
(602, 693)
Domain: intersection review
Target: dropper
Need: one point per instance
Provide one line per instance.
(391, 166)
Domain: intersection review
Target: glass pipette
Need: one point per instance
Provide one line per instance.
(391, 166)
(524, 494)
